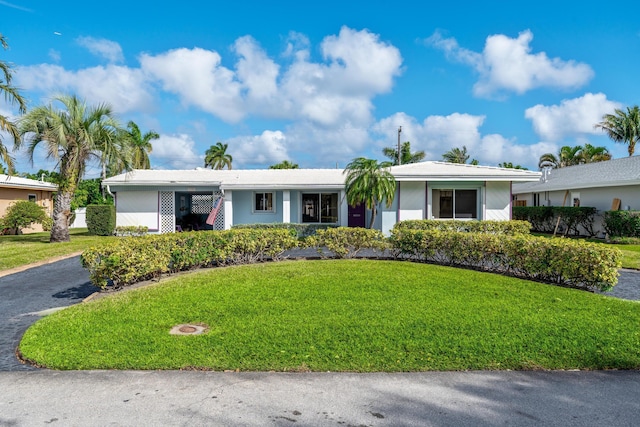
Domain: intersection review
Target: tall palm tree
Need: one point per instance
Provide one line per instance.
(11, 96)
(571, 156)
(140, 145)
(216, 157)
(369, 182)
(592, 154)
(623, 127)
(406, 155)
(72, 135)
(457, 155)
(285, 164)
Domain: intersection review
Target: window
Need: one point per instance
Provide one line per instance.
(456, 204)
(33, 198)
(263, 202)
(320, 208)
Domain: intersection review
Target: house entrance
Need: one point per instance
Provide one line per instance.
(192, 210)
(357, 216)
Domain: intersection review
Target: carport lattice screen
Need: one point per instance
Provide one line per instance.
(201, 203)
(167, 218)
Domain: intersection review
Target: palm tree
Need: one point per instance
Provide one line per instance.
(140, 145)
(216, 157)
(406, 155)
(571, 156)
(11, 96)
(72, 135)
(457, 155)
(369, 182)
(591, 154)
(623, 127)
(285, 164)
(509, 165)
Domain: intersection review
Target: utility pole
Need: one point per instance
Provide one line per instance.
(399, 155)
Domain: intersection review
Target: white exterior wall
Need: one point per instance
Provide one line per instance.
(412, 200)
(137, 208)
(228, 209)
(80, 220)
(497, 201)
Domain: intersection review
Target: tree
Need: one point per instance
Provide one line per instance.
(216, 157)
(591, 154)
(11, 96)
(622, 127)
(406, 155)
(369, 182)
(22, 214)
(457, 155)
(73, 136)
(509, 165)
(140, 145)
(285, 164)
(571, 156)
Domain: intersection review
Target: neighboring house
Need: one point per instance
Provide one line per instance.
(166, 200)
(14, 188)
(612, 184)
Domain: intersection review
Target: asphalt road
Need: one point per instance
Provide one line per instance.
(29, 396)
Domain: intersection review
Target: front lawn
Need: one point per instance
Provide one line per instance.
(347, 315)
(25, 249)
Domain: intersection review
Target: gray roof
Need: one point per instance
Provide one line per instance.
(611, 173)
(244, 179)
(8, 181)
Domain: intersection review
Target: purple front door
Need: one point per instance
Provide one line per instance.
(357, 216)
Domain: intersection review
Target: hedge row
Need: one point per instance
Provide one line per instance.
(346, 242)
(135, 259)
(566, 262)
(101, 219)
(573, 220)
(493, 227)
(622, 223)
(302, 230)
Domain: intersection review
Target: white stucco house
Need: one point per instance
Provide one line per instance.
(594, 185)
(170, 200)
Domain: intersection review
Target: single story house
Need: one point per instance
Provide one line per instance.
(169, 200)
(14, 188)
(609, 185)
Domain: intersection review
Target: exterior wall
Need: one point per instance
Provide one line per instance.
(44, 198)
(243, 209)
(497, 201)
(134, 208)
(433, 202)
(412, 200)
(80, 220)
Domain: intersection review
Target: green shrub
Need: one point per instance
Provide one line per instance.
(622, 223)
(566, 262)
(131, 231)
(494, 227)
(133, 259)
(346, 242)
(302, 230)
(22, 214)
(543, 219)
(101, 219)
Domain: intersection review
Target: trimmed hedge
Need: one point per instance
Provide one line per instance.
(132, 231)
(101, 219)
(134, 259)
(566, 262)
(302, 230)
(622, 223)
(495, 227)
(346, 242)
(543, 219)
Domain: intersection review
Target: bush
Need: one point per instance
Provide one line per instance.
(132, 231)
(566, 262)
(22, 214)
(347, 242)
(134, 259)
(493, 227)
(543, 219)
(622, 223)
(101, 219)
(302, 230)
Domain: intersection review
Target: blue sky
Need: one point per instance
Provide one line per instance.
(320, 83)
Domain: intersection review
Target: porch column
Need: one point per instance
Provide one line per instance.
(228, 209)
(286, 206)
(343, 220)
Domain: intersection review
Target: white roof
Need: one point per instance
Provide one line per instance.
(7, 181)
(244, 179)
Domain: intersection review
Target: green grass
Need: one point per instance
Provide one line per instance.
(347, 315)
(630, 255)
(16, 251)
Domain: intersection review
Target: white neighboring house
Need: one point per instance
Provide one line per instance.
(170, 200)
(590, 185)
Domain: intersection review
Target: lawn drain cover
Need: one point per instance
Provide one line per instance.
(188, 329)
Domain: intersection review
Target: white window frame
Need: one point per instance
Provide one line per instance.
(254, 202)
(479, 208)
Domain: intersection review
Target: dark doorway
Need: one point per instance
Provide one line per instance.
(357, 216)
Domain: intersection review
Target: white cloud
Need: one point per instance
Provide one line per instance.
(54, 55)
(125, 89)
(573, 117)
(175, 152)
(259, 150)
(507, 64)
(103, 48)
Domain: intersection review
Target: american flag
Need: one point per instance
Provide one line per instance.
(211, 219)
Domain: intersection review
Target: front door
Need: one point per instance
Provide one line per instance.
(357, 216)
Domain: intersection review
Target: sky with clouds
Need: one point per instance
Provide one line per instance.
(319, 84)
